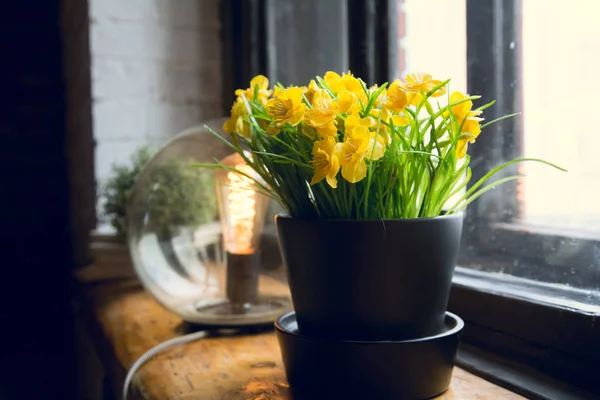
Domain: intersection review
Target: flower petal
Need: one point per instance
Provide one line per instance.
(294, 94)
(399, 120)
(261, 81)
(346, 100)
(334, 168)
(328, 130)
(298, 115)
(230, 125)
(351, 83)
(461, 149)
(334, 81)
(355, 172)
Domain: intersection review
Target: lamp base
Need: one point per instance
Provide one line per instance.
(263, 310)
(242, 280)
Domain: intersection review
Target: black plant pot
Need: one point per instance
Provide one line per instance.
(370, 279)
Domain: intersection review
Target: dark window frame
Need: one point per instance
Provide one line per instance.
(531, 323)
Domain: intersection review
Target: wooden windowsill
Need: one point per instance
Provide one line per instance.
(124, 322)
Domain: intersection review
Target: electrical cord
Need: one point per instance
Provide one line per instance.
(187, 338)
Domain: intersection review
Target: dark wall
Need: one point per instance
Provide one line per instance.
(34, 210)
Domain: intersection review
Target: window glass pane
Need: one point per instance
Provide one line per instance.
(434, 42)
(305, 39)
(560, 68)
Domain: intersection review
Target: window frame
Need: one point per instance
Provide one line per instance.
(530, 323)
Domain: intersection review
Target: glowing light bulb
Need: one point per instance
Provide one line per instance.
(242, 211)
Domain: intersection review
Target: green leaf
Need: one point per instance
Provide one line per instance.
(289, 160)
(485, 106)
(221, 138)
(431, 92)
(498, 169)
(372, 99)
(466, 135)
(324, 85)
(499, 119)
(461, 206)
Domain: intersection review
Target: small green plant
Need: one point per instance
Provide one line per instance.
(180, 196)
(117, 189)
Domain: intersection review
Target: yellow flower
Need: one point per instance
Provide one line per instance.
(328, 130)
(415, 83)
(346, 100)
(361, 100)
(323, 111)
(311, 90)
(263, 93)
(461, 149)
(287, 108)
(352, 121)
(322, 115)
(338, 83)
(469, 125)
(325, 162)
(388, 118)
(461, 110)
(396, 98)
(468, 120)
(352, 153)
(236, 123)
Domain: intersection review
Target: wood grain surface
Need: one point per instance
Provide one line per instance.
(125, 322)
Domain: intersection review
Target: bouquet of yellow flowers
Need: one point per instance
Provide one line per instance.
(399, 154)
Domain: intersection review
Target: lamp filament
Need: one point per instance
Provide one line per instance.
(242, 210)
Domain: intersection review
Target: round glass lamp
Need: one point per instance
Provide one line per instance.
(225, 272)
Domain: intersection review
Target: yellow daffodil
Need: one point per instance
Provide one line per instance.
(310, 90)
(287, 108)
(420, 82)
(346, 100)
(236, 123)
(396, 98)
(322, 115)
(361, 100)
(329, 130)
(325, 162)
(461, 110)
(263, 89)
(388, 118)
(468, 120)
(352, 121)
(355, 149)
(338, 83)
(461, 148)
(471, 125)
(323, 110)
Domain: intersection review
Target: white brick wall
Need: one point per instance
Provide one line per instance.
(156, 70)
